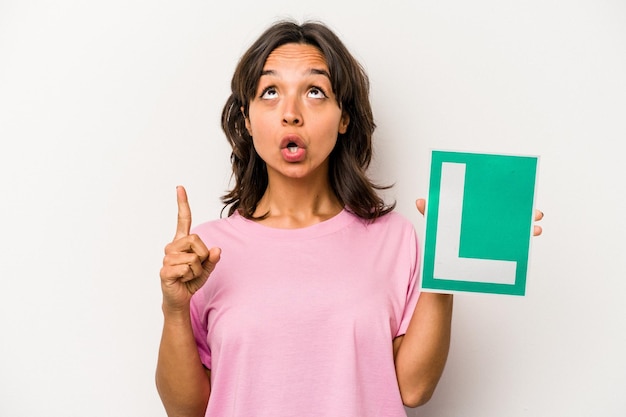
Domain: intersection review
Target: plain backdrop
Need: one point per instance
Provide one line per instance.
(106, 106)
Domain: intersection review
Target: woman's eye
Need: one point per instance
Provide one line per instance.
(316, 92)
(268, 93)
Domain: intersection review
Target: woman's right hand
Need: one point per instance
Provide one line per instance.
(187, 263)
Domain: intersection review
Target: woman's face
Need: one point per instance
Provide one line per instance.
(294, 118)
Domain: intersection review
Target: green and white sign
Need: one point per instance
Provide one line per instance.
(479, 222)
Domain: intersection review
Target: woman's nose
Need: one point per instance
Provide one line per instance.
(291, 112)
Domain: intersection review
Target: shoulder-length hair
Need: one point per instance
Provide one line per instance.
(349, 160)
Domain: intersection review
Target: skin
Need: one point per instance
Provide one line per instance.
(294, 98)
(182, 381)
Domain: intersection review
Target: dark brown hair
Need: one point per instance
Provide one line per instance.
(349, 160)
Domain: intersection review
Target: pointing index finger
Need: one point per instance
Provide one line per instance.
(184, 213)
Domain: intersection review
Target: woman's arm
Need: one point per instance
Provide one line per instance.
(182, 381)
(421, 353)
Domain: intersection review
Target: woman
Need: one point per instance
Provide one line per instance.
(312, 306)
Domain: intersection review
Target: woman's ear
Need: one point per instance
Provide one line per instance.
(246, 120)
(343, 123)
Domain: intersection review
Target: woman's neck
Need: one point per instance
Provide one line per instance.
(296, 203)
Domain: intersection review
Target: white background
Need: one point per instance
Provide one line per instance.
(106, 106)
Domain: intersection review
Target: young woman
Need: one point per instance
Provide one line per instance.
(308, 301)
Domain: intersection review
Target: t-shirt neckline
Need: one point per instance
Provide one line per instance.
(331, 225)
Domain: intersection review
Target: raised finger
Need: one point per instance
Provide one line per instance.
(184, 213)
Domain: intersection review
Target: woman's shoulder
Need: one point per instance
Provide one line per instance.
(391, 221)
(393, 217)
(216, 225)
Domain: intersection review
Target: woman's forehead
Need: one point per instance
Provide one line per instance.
(295, 54)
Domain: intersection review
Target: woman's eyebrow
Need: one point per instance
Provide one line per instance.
(315, 71)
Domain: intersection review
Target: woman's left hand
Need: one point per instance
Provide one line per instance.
(537, 230)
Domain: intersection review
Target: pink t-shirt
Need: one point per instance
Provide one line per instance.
(300, 322)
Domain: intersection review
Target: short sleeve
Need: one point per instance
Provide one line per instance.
(200, 332)
(413, 287)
